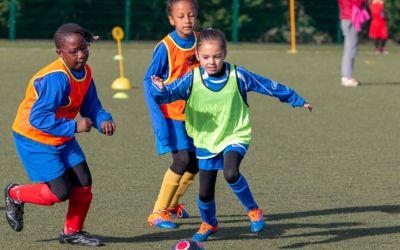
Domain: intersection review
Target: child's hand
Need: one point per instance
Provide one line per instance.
(83, 125)
(108, 127)
(158, 82)
(308, 106)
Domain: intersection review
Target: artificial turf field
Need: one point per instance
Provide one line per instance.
(325, 180)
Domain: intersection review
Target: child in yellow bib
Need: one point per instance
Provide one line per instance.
(217, 119)
(172, 58)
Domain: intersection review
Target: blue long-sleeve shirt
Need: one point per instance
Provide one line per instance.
(247, 81)
(160, 67)
(53, 91)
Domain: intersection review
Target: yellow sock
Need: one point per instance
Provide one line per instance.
(185, 182)
(167, 191)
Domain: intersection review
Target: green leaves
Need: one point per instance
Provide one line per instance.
(258, 20)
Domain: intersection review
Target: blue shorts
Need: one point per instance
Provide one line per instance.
(177, 139)
(217, 162)
(44, 162)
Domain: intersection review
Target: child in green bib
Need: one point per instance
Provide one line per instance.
(217, 118)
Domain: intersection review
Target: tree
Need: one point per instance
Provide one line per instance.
(259, 20)
(393, 17)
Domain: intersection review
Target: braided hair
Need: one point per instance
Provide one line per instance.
(67, 29)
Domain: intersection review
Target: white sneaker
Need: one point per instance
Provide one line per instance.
(349, 82)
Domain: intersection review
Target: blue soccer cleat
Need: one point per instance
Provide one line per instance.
(257, 223)
(205, 231)
(161, 220)
(179, 211)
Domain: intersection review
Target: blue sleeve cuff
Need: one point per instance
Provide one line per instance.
(101, 117)
(296, 101)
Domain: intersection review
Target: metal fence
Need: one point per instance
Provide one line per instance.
(242, 20)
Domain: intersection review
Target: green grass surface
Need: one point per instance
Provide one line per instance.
(326, 180)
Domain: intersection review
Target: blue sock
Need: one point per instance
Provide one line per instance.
(242, 191)
(207, 211)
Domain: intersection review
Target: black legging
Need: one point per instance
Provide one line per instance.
(208, 178)
(380, 43)
(78, 176)
(183, 161)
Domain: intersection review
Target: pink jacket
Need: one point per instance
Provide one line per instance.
(358, 17)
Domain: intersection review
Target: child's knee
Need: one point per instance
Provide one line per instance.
(181, 160)
(179, 164)
(231, 176)
(63, 194)
(206, 197)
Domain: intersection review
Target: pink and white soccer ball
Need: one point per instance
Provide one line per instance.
(188, 245)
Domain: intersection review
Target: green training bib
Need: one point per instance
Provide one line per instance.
(216, 119)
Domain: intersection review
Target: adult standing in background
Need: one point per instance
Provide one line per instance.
(378, 30)
(351, 40)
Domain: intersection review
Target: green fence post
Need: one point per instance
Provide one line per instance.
(339, 29)
(12, 21)
(127, 19)
(235, 17)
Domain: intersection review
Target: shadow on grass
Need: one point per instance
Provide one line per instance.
(275, 231)
(366, 84)
(226, 233)
(390, 209)
(340, 235)
(278, 231)
(153, 237)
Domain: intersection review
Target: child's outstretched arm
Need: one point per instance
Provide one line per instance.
(177, 90)
(249, 81)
